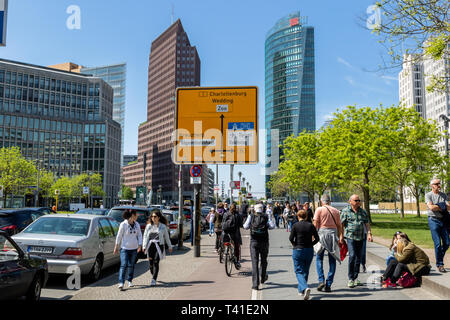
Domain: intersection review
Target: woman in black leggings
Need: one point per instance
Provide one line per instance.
(156, 237)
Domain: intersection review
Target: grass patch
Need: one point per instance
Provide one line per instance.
(385, 225)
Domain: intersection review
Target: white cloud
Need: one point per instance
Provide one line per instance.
(345, 63)
(350, 80)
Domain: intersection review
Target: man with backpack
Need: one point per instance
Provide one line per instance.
(259, 223)
(232, 222)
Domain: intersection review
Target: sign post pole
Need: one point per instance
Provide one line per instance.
(180, 211)
(196, 173)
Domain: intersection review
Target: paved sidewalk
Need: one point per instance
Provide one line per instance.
(282, 283)
(181, 277)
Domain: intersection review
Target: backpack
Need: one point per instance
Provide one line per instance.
(407, 280)
(229, 225)
(259, 228)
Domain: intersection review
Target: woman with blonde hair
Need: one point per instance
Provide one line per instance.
(409, 258)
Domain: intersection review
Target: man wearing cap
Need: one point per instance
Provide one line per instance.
(259, 223)
(328, 223)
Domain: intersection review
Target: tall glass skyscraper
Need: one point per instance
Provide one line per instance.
(115, 75)
(290, 104)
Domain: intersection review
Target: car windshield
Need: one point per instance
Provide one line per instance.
(91, 211)
(60, 226)
(117, 215)
(6, 219)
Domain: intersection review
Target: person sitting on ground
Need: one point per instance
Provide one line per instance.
(409, 258)
(393, 245)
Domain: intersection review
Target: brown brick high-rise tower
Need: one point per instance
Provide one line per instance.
(173, 63)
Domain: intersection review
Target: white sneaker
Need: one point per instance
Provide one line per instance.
(120, 286)
(153, 283)
(130, 285)
(306, 294)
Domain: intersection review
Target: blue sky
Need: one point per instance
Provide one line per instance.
(229, 36)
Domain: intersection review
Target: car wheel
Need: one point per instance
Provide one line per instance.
(34, 292)
(96, 270)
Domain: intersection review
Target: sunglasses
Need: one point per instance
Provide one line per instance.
(357, 200)
(437, 184)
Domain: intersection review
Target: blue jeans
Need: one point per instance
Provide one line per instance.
(319, 268)
(363, 255)
(302, 261)
(389, 259)
(211, 227)
(290, 223)
(277, 222)
(438, 233)
(355, 249)
(127, 260)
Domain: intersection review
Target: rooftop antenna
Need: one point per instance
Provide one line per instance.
(172, 16)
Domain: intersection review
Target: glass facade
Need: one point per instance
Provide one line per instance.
(115, 76)
(289, 82)
(63, 119)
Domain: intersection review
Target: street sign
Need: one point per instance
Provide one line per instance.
(3, 21)
(85, 190)
(216, 125)
(235, 185)
(196, 180)
(196, 171)
(56, 191)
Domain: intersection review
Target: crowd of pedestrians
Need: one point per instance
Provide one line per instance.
(325, 231)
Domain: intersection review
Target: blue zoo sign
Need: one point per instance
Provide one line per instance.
(3, 18)
(196, 171)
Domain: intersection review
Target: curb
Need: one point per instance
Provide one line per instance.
(427, 284)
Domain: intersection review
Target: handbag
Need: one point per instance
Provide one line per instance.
(343, 249)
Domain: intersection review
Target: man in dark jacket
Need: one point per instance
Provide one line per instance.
(244, 209)
(232, 223)
(259, 223)
(218, 219)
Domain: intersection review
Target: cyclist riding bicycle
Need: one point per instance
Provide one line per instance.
(232, 223)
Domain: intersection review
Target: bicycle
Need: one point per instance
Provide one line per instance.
(229, 255)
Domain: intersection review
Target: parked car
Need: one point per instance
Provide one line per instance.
(94, 211)
(172, 219)
(15, 220)
(21, 274)
(188, 214)
(143, 215)
(68, 240)
(44, 210)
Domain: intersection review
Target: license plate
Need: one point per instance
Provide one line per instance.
(46, 250)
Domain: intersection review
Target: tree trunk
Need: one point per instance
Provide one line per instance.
(366, 192)
(402, 203)
(5, 195)
(418, 204)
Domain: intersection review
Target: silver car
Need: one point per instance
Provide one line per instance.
(72, 240)
(172, 219)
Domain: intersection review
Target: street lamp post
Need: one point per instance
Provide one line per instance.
(446, 120)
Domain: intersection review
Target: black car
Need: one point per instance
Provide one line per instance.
(44, 210)
(21, 274)
(14, 221)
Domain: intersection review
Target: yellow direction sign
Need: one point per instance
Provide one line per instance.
(216, 125)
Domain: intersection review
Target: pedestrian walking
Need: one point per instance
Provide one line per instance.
(225, 207)
(289, 216)
(301, 237)
(353, 219)
(218, 219)
(244, 210)
(328, 223)
(129, 239)
(232, 223)
(408, 258)
(156, 239)
(210, 218)
(277, 213)
(259, 223)
(438, 207)
(309, 212)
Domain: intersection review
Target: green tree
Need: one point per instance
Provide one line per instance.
(357, 141)
(127, 193)
(276, 185)
(65, 187)
(15, 171)
(414, 27)
(46, 181)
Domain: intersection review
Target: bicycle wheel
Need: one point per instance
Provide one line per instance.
(228, 261)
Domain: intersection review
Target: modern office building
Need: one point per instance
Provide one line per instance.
(412, 84)
(115, 75)
(64, 119)
(289, 83)
(416, 75)
(173, 63)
